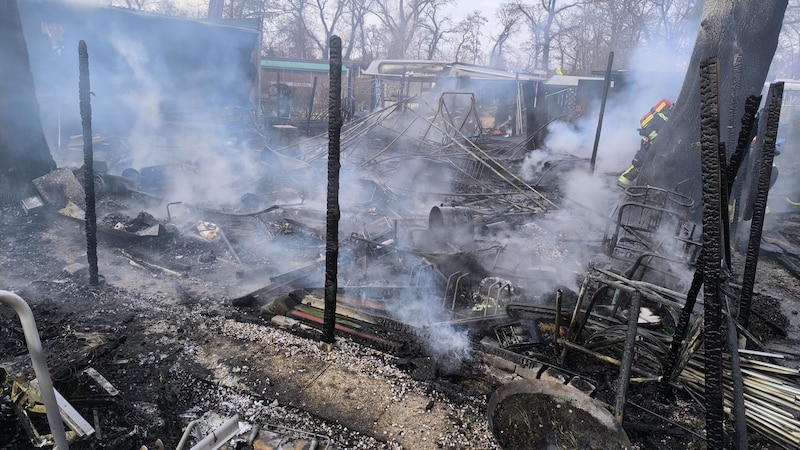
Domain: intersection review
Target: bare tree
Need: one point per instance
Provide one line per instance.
(238, 9)
(157, 6)
(468, 30)
(787, 58)
(328, 15)
(541, 18)
(358, 10)
(510, 17)
(401, 21)
(293, 28)
(434, 28)
(375, 43)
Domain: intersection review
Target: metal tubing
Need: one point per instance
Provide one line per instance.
(186, 432)
(602, 111)
(455, 291)
(39, 366)
(219, 436)
(492, 164)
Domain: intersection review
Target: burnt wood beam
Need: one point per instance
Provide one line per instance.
(333, 211)
(764, 171)
(88, 162)
(712, 250)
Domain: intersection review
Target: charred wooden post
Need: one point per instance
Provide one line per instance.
(775, 100)
(602, 111)
(746, 135)
(627, 357)
(333, 212)
(740, 420)
(712, 255)
(725, 244)
(671, 372)
(90, 218)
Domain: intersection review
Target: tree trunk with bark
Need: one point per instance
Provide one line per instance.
(24, 154)
(744, 35)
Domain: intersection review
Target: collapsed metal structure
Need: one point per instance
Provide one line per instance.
(631, 292)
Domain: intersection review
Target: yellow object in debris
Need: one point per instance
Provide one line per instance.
(207, 231)
(623, 180)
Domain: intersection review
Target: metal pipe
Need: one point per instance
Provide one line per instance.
(602, 111)
(193, 424)
(455, 291)
(559, 294)
(492, 164)
(219, 436)
(39, 366)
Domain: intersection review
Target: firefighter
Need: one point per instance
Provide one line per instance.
(651, 125)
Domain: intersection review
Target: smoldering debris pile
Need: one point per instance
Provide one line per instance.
(454, 270)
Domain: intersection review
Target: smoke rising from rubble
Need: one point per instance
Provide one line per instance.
(420, 308)
(143, 88)
(168, 88)
(655, 72)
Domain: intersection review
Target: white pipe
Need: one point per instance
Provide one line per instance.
(39, 366)
(220, 436)
(186, 432)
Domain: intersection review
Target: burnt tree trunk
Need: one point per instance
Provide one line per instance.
(743, 34)
(24, 154)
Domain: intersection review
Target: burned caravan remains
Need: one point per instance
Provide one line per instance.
(148, 72)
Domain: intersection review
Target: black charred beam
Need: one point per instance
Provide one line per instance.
(712, 252)
(333, 211)
(748, 131)
(628, 353)
(746, 135)
(671, 372)
(723, 205)
(767, 147)
(88, 163)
